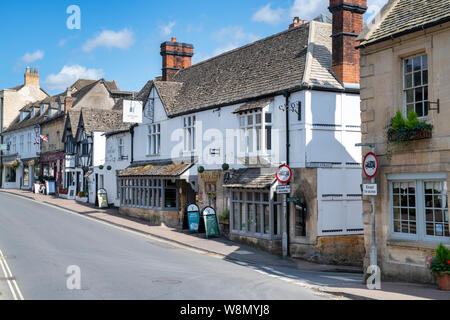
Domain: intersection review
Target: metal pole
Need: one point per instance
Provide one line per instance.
(373, 251)
(284, 240)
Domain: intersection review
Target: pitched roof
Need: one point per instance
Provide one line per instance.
(100, 120)
(405, 16)
(255, 178)
(254, 105)
(81, 83)
(26, 122)
(168, 169)
(260, 69)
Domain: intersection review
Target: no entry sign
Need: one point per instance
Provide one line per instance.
(370, 165)
(284, 174)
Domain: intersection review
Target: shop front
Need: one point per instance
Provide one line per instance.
(10, 172)
(157, 192)
(51, 165)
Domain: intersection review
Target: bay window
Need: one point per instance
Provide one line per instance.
(419, 209)
(255, 213)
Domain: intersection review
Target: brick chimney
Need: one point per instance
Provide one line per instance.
(175, 56)
(347, 25)
(68, 101)
(31, 77)
(296, 22)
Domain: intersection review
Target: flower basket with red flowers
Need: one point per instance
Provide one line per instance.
(440, 266)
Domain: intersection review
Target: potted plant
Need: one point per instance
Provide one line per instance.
(225, 166)
(201, 169)
(15, 164)
(108, 168)
(63, 193)
(405, 131)
(440, 266)
(101, 167)
(82, 196)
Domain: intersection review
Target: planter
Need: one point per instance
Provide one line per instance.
(64, 196)
(393, 136)
(443, 281)
(84, 200)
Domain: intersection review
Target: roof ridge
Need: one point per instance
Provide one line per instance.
(242, 47)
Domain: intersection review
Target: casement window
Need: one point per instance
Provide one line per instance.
(41, 110)
(84, 148)
(415, 84)
(13, 146)
(148, 193)
(154, 139)
(189, 133)
(32, 113)
(10, 175)
(121, 149)
(419, 209)
(255, 213)
(255, 134)
(21, 143)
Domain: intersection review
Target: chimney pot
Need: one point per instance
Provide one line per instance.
(174, 39)
(297, 22)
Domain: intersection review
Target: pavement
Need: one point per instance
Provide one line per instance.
(340, 281)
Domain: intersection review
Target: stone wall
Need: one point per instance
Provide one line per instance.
(155, 217)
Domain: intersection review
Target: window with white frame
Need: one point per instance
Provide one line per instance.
(420, 209)
(13, 145)
(255, 213)
(121, 149)
(154, 139)
(255, 134)
(415, 75)
(41, 110)
(189, 133)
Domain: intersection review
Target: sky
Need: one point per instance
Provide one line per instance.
(120, 40)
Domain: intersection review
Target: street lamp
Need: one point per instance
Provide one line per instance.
(373, 249)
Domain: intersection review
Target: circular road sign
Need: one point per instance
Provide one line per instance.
(284, 174)
(370, 165)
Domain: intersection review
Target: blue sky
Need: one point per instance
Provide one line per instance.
(120, 40)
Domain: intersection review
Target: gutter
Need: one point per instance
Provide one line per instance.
(265, 96)
(287, 95)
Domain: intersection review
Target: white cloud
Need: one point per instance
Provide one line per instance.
(374, 6)
(231, 38)
(167, 30)
(32, 57)
(69, 74)
(308, 10)
(110, 39)
(269, 15)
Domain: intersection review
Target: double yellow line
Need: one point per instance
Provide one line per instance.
(17, 295)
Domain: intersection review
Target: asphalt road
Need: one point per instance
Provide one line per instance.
(41, 242)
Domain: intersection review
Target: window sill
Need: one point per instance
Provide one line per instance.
(414, 244)
(153, 155)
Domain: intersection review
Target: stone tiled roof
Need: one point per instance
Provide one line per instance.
(101, 120)
(254, 105)
(261, 69)
(404, 16)
(255, 178)
(27, 122)
(74, 118)
(156, 170)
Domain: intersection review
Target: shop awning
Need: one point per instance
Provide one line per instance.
(253, 105)
(171, 170)
(255, 178)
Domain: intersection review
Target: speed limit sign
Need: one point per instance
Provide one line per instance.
(370, 165)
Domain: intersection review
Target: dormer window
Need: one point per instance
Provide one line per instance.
(23, 115)
(42, 110)
(32, 113)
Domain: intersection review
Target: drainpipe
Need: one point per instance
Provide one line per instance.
(287, 95)
(132, 144)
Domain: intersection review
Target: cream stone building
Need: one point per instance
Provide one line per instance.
(405, 66)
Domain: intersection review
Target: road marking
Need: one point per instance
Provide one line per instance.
(12, 283)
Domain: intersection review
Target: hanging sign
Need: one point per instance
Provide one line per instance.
(284, 174)
(193, 214)
(370, 165)
(211, 225)
(132, 111)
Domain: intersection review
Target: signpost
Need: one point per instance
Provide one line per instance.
(284, 176)
(193, 215)
(370, 168)
(211, 225)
